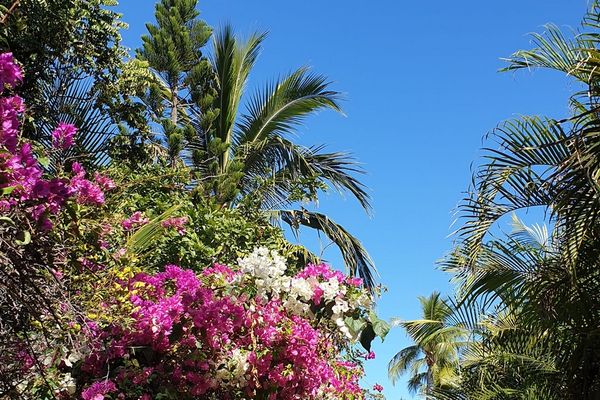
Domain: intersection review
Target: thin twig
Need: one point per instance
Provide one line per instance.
(10, 11)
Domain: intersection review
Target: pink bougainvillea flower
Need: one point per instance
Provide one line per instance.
(207, 341)
(86, 192)
(10, 73)
(370, 355)
(119, 253)
(136, 219)
(353, 281)
(377, 387)
(97, 390)
(63, 135)
(10, 108)
(178, 223)
(104, 182)
(20, 169)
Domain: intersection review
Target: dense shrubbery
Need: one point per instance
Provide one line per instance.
(93, 305)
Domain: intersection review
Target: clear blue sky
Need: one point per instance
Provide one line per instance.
(421, 86)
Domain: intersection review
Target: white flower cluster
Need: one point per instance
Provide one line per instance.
(298, 297)
(233, 369)
(339, 309)
(268, 269)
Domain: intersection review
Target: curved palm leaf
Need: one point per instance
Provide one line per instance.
(401, 361)
(232, 63)
(250, 160)
(439, 344)
(280, 107)
(355, 256)
(284, 164)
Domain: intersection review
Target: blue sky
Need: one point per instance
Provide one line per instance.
(421, 87)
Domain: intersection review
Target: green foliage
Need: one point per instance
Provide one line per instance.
(433, 358)
(530, 299)
(48, 37)
(212, 232)
(178, 98)
(76, 71)
(244, 159)
(248, 159)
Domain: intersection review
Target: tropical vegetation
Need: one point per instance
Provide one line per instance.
(140, 252)
(432, 360)
(528, 301)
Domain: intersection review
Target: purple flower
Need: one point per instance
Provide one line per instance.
(90, 265)
(87, 192)
(10, 108)
(104, 182)
(136, 219)
(62, 136)
(10, 72)
(176, 223)
(97, 390)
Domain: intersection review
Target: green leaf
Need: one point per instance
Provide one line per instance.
(7, 190)
(367, 336)
(355, 325)
(380, 327)
(44, 161)
(8, 220)
(147, 235)
(26, 239)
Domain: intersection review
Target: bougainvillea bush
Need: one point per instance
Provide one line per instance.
(31, 203)
(125, 285)
(247, 331)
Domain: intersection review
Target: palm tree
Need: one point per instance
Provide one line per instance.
(245, 159)
(513, 346)
(433, 358)
(540, 161)
(532, 319)
(541, 334)
(248, 158)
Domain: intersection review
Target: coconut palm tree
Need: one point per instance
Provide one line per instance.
(432, 360)
(246, 156)
(249, 158)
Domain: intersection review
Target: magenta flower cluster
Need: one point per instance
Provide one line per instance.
(10, 73)
(20, 172)
(195, 340)
(177, 223)
(63, 136)
(98, 390)
(137, 219)
(323, 271)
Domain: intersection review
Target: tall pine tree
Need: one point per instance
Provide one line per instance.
(180, 99)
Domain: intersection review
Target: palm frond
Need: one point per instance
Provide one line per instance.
(232, 62)
(71, 98)
(357, 260)
(283, 105)
(519, 175)
(401, 361)
(417, 382)
(273, 171)
(554, 51)
(148, 234)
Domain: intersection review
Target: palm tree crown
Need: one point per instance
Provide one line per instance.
(432, 359)
(248, 158)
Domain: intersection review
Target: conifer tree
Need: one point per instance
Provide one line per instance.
(184, 84)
